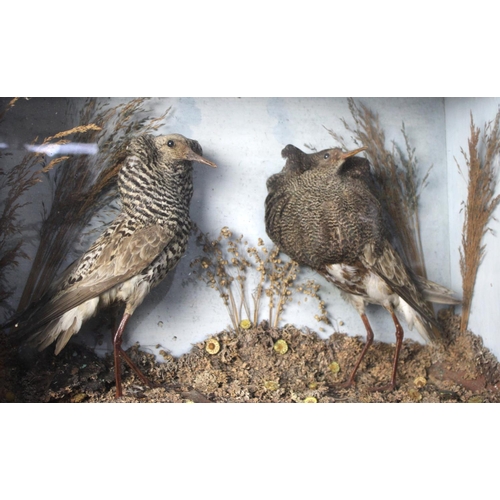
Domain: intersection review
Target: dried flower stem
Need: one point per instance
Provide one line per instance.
(223, 256)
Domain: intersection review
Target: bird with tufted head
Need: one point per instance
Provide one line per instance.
(322, 210)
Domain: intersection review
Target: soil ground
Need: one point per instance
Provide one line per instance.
(248, 368)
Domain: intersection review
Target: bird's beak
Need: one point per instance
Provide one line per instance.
(354, 152)
(192, 156)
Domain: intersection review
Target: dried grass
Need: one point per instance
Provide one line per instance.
(10, 105)
(480, 205)
(13, 185)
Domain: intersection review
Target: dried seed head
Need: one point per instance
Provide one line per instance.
(334, 367)
(212, 346)
(310, 399)
(245, 324)
(280, 346)
(420, 382)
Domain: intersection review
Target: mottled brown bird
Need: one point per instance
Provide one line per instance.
(133, 254)
(322, 210)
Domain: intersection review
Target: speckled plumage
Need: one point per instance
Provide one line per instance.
(135, 252)
(322, 210)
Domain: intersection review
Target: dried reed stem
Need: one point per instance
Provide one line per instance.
(481, 203)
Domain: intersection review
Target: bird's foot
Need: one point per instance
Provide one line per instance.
(345, 385)
(119, 352)
(335, 388)
(383, 388)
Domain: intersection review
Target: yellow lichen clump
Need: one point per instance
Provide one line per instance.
(245, 324)
(310, 399)
(420, 382)
(212, 346)
(78, 398)
(334, 367)
(475, 399)
(280, 346)
(271, 385)
(414, 395)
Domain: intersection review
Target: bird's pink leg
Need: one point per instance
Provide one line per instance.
(399, 342)
(118, 351)
(369, 342)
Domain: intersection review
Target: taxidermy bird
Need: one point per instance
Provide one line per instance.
(134, 254)
(322, 211)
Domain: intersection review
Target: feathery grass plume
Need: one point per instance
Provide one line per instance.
(225, 268)
(13, 186)
(397, 174)
(83, 184)
(10, 104)
(480, 205)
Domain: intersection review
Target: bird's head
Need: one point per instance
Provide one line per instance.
(175, 148)
(333, 158)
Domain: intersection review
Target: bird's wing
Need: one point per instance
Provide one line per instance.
(122, 257)
(390, 267)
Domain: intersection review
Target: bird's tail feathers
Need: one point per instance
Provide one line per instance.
(429, 330)
(434, 292)
(56, 331)
(425, 324)
(40, 334)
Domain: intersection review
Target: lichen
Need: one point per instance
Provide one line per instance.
(280, 346)
(475, 399)
(271, 385)
(414, 395)
(334, 367)
(245, 324)
(212, 346)
(310, 399)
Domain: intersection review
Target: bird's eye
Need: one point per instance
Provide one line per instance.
(327, 155)
(170, 144)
